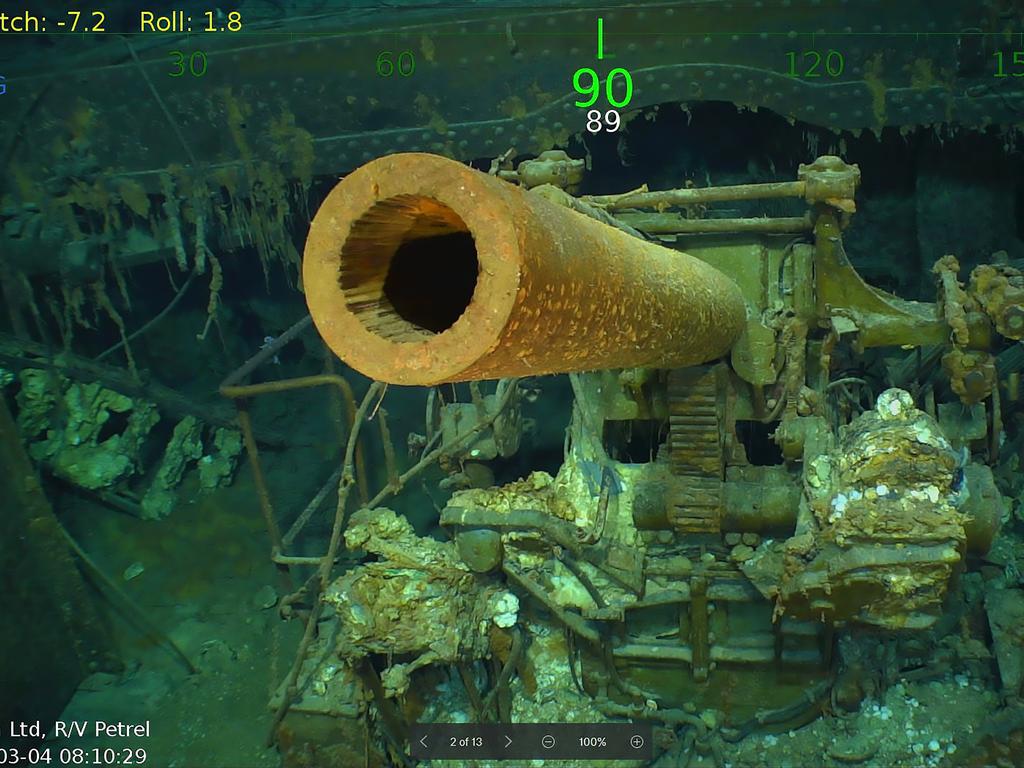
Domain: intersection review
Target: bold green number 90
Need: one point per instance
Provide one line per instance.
(593, 90)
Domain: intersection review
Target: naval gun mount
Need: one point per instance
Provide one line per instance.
(734, 574)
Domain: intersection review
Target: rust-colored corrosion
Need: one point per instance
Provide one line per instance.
(420, 270)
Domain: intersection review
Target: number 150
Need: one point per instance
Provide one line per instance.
(1018, 63)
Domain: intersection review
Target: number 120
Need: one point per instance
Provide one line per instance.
(833, 64)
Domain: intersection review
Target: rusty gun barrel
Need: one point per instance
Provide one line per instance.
(420, 270)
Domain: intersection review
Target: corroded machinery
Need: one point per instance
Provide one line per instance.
(774, 502)
(774, 458)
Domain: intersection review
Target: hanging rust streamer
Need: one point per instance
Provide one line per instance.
(420, 270)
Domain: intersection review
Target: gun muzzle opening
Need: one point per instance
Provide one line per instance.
(408, 268)
(419, 270)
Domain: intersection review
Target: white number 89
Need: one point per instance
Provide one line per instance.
(610, 122)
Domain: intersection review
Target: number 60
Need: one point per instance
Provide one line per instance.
(386, 67)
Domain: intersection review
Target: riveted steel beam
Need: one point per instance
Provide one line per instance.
(301, 90)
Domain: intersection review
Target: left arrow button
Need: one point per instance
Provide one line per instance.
(423, 741)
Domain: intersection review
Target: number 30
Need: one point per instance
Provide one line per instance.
(196, 64)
